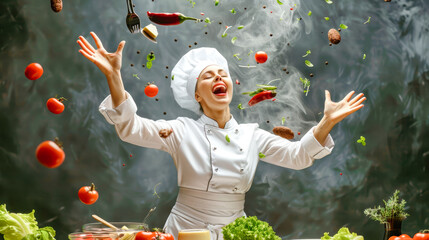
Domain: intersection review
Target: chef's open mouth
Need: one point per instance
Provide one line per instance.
(219, 89)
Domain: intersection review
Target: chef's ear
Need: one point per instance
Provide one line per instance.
(197, 97)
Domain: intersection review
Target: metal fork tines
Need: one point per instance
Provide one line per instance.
(133, 20)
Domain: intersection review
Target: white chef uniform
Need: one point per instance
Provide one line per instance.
(213, 173)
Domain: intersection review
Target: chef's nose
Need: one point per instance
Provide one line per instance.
(218, 77)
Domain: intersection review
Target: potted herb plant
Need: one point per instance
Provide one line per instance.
(391, 215)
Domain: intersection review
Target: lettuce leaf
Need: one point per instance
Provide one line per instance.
(19, 226)
(246, 228)
(343, 234)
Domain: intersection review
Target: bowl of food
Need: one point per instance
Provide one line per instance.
(114, 227)
(93, 236)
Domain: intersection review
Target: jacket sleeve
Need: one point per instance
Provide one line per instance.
(296, 155)
(140, 131)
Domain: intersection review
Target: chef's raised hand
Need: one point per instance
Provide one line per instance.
(337, 111)
(107, 62)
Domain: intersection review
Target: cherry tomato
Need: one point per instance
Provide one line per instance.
(145, 235)
(421, 236)
(55, 105)
(404, 236)
(401, 237)
(168, 236)
(261, 57)
(88, 194)
(151, 90)
(33, 71)
(50, 154)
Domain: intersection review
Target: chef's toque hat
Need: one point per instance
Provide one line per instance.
(186, 72)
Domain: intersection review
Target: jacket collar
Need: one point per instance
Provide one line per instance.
(209, 121)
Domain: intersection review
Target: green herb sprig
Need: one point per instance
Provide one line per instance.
(393, 208)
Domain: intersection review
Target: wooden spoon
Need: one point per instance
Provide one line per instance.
(104, 222)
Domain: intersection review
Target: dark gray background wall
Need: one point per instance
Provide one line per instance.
(394, 77)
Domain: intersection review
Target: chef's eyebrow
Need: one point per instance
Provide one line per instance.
(211, 71)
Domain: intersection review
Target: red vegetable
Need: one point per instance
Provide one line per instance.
(55, 105)
(402, 237)
(145, 235)
(168, 18)
(50, 154)
(33, 71)
(151, 90)
(422, 235)
(264, 95)
(88, 194)
(261, 56)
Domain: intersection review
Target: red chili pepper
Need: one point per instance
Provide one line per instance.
(168, 18)
(264, 95)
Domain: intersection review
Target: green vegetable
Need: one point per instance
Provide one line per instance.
(207, 20)
(233, 40)
(309, 13)
(327, 18)
(240, 106)
(150, 57)
(280, 3)
(283, 120)
(308, 63)
(343, 234)
(329, 1)
(237, 56)
(249, 228)
(362, 140)
(261, 155)
(172, 77)
(308, 53)
(20, 226)
(192, 2)
(392, 209)
(364, 56)
(216, 2)
(267, 87)
(224, 35)
(367, 21)
(233, 11)
(240, 27)
(136, 76)
(306, 85)
(227, 138)
(343, 26)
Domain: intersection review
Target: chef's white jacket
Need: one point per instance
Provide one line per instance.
(211, 159)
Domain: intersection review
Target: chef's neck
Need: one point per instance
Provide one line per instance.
(220, 116)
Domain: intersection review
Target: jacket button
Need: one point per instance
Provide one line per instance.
(214, 148)
(216, 169)
(236, 131)
(241, 149)
(241, 169)
(235, 189)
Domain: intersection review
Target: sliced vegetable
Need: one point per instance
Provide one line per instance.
(233, 11)
(240, 27)
(343, 26)
(329, 1)
(309, 13)
(227, 138)
(233, 40)
(307, 53)
(368, 21)
(240, 106)
(362, 140)
(306, 85)
(327, 18)
(280, 3)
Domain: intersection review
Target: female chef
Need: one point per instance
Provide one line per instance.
(213, 174)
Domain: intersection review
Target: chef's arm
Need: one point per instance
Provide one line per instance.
(116, 87)
(322, 130)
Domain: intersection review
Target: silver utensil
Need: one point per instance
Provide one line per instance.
(132, 19)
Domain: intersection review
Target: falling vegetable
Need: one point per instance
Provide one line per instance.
(361, 140)
(306, 85)
(33, 71)
(150, 57)
(264, 95)
(309, 13)
(240, 106)
(308, 63)
(329, 1)
(87, 194)
(227, 138)
(50, 154)
(343, 26)
(364, 56)
(308, 53)
(168, 19)
(55, 105)
(327, 18)
(233, 40)
(216, 2)
(233, 11)
(368, 21)
(261, 56)
(261, 155)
